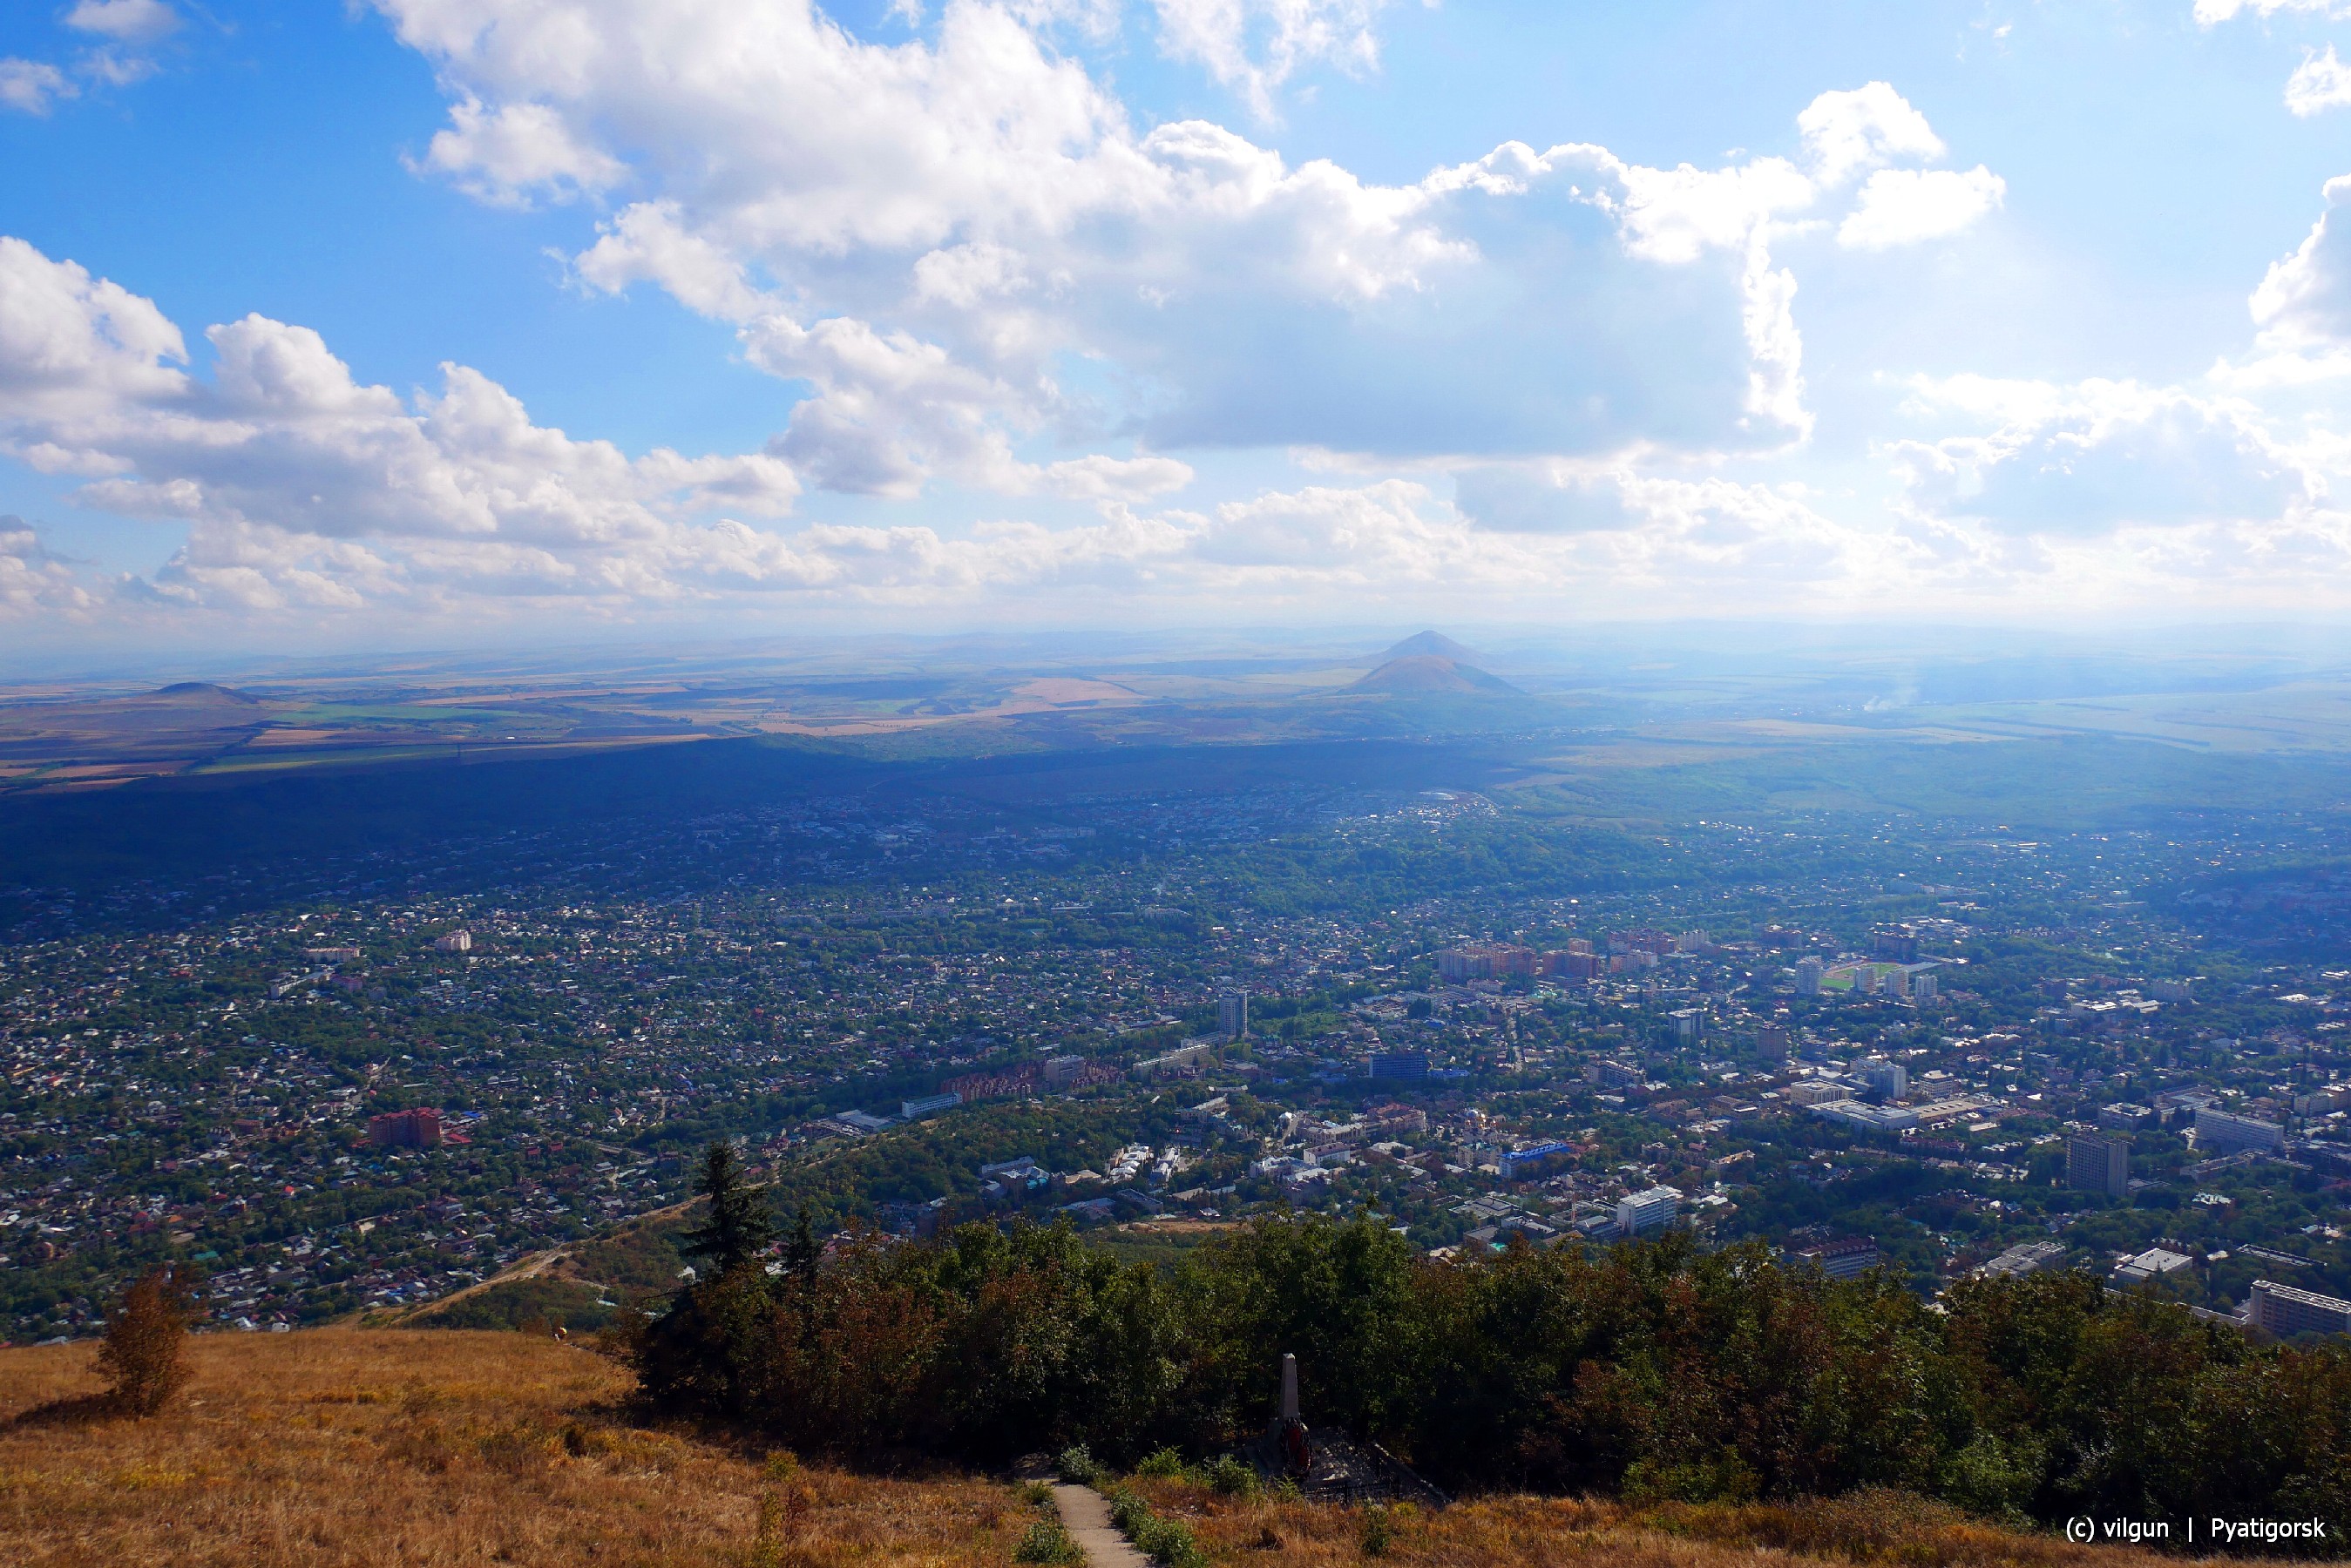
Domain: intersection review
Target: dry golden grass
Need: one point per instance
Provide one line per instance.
(400, 1447)
(363, 1448)
(1556, 1532)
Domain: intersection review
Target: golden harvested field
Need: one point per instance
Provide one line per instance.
(333, 1448)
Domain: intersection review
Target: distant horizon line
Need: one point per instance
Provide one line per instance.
(1506, 642)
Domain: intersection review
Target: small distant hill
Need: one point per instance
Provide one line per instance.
(1427, 645)
(206, 692)
(1429, 674)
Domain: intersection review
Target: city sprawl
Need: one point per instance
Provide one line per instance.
(1941, 1047)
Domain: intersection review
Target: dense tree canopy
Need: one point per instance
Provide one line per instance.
(1650, 1369)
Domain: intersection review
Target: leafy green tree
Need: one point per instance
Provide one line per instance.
(1652, 1369)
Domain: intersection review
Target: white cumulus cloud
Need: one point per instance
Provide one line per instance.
(37, 87)
(304, 485)
(2320, 83)
(307, 493)
(35, 581)
(1847, 132)
(1256, 46)
(925, 230)
(2212, 12)
(126, 21)
(980, 275)
(32, 87)
(74, 347)
(1902, 206)
(2093, 457)
(2303, 301)
(504, 155)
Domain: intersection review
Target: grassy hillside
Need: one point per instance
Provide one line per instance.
(335, 1447)
(377, 1448)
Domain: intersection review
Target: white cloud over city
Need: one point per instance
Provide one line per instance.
(1030, 329)
(114, 47)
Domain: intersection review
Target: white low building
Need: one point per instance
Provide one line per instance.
(1873, 1118)
(1642, 1212)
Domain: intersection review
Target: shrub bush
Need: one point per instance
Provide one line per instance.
(1127, 1510)
(1045, 1541)
(1232, 1476)
(1166, 1541)
(1169, 1543)
(145, 1350)
(1163, 1464)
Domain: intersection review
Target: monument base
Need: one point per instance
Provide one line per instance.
(1328, 1467)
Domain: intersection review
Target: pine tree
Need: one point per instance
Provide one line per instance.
(802, 1251)
(739, 1225)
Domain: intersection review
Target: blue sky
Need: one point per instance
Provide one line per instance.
(440, 320)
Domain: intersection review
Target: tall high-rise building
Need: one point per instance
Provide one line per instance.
(1887, 1080)
(1458, 966)
(417, 1128)
(1808, 976)
(1573, 965)
(1923, 987)
(1232, 1013)
(1898, 945)
(2097, 1163)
